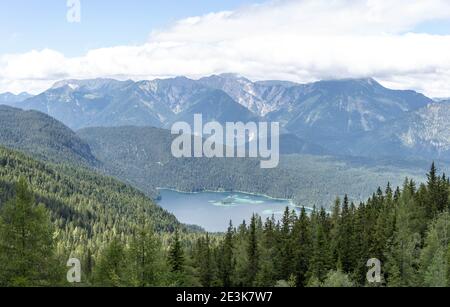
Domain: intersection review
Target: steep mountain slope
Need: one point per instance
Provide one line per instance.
(422, 133)
(259, 97)
(99, 102)
(215, 105)
(176, 93)
(142, 157)
(87, 209)
(327, 113)
(331, 114)
(43, 137)
(325, 107)
(106, 102)
(333, 111)
(132, 106)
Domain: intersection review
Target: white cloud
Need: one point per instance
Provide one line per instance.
(301, 41)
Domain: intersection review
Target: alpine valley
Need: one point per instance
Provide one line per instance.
(85, 159)
(353, 133)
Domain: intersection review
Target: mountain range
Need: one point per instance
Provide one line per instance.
(356, 117)
(10, 98)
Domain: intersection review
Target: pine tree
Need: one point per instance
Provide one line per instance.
(335, 226)
(252, 252)
(433, 257)
(27, 250)
(226, 261)
(321, 260)
(302, 248)
(240, 256)
(438, 193)
(176, 255)
(402, 252)
(145, 257)
(436, 273)
(337, 279)
(396, 194)
(285, 245)
(111, 269)
(389, 194)
(88, 264)
(419, 217)
(361, 238)
(267, 275)
(383, 229)
(344, 241)
(204, 261)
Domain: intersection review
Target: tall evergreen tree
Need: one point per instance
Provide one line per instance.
(145, 257)
(344, 240)
(302, 248)
(438, 193)
(433, 259)
(204, 261)
(402, 252)
(285, 245)
(267, 275)
(176, 254)
(27, 250)
(335, 226)
(321, 260)
(226, 259)
(252, 252)
(111, 269)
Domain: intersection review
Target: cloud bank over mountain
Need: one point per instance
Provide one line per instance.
(301, 41)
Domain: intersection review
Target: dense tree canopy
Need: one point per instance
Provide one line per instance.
(49, 213)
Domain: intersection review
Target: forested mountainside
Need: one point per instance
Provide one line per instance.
(406, 230)
(43, 137)
(87, 209)
(142, 157)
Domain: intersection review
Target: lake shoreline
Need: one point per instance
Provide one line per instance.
(291, 202)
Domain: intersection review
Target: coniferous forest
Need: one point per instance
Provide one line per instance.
(50, 213)
(213, 152)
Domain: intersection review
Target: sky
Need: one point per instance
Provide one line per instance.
(404, 44)
(39, 24)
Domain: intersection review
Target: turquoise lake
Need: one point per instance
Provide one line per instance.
(214, 210)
